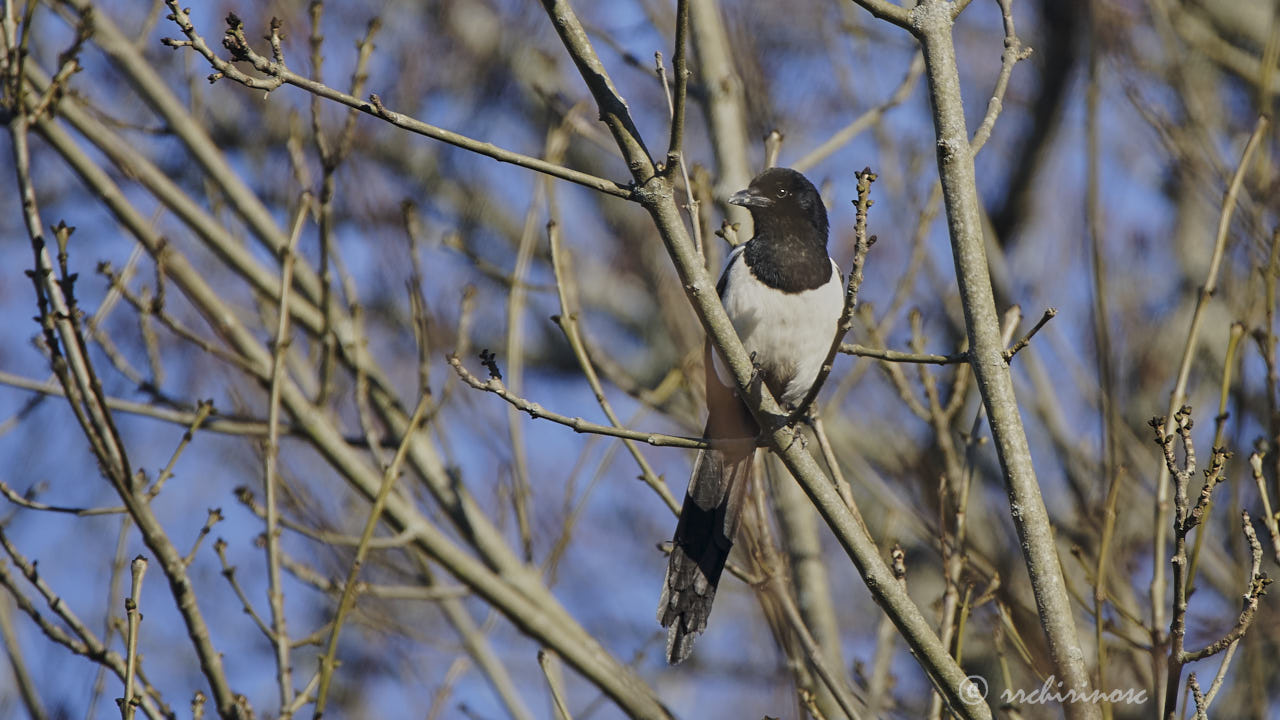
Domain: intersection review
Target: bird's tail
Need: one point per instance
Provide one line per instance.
(704, 535)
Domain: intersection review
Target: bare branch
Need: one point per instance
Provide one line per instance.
(847, 133)
(902, 357)
(496, 386)
(129, 703)
(329, 661)
(1178, 396)
(1026, 339)
(887, 11)
(278, 74)
(1014, 51)
(862, 243)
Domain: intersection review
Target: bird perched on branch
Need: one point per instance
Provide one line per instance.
(784, 296)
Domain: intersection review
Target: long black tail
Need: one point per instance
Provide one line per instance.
(708, 520)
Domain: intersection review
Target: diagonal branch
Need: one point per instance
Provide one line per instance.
(88, 401)
(278, 74)
(657, 196)
(497, 576)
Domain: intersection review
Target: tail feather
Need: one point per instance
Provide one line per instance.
(703, 539)
(708, 521)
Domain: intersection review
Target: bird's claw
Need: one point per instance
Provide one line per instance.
(757, 370)
(791, 421)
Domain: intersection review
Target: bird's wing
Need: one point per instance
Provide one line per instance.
(709, 518)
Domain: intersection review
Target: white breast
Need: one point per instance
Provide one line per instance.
(790, 333)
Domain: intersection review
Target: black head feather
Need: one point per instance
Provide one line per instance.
(782, 196)
(789, 249)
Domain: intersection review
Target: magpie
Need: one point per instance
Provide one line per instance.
(784, 296)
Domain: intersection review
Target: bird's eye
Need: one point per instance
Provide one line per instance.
(782, 192)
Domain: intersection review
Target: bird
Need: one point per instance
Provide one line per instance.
(784, 296)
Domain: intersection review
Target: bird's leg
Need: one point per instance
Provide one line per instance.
(757, 379)
(789, 417)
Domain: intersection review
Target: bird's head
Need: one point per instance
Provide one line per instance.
(782, 195)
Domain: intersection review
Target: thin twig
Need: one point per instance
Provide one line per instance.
(203, 409)
(1026, 339)
(271, 475)
(496, 386)
(846, 134)
(229, 572)
(278, 74)
(22, 501)
(129, 703)
(1270, 518)
(675, 106)
(217, 423)
(897, 377)
(17, 662)
(213, 517)
(829, 456)
(862, 243)
(903, 357)
(521, 490)
(839, 690)
(1178, 395)
(568, 320)
(1014, 51)
(551, 671)
(118, 563)
(391, 474)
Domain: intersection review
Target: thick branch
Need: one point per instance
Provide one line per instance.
(931, 23)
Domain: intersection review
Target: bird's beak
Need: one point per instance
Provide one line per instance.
(749, 198)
